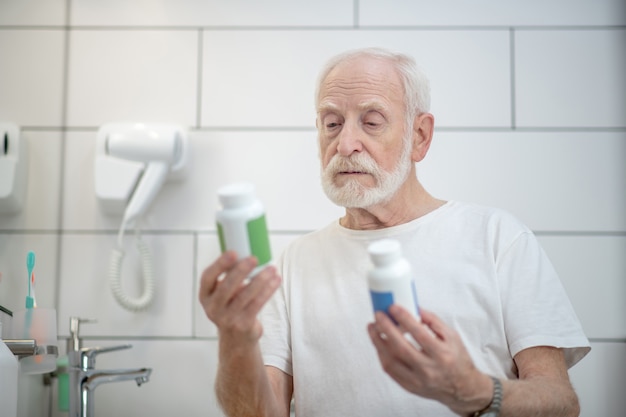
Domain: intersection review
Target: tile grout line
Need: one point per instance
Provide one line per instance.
(199, 79)
(618, 340)
(64, 105)
(59, 236)
(194, 287)
(487, 129)
(186, 232)
(355, 26)
(513, 97)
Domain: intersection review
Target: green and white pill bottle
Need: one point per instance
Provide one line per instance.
(241, 224)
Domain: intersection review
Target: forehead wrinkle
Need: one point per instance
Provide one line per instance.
(371, 103)
(374, 86)
(374, 95)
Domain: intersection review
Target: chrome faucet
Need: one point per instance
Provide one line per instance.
(84, 378)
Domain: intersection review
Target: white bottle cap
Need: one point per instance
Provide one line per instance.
(236, 195)
(384, 251)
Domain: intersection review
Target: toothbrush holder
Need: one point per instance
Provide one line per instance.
(39, 324)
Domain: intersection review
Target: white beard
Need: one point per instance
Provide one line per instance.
(356, 195)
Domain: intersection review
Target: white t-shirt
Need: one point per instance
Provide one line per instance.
(479, 269)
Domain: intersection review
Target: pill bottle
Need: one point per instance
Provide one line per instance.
(241, 224)
(390, 280)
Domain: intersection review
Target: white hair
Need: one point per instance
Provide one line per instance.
(414, 80)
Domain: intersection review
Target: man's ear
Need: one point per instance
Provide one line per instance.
(423, 128)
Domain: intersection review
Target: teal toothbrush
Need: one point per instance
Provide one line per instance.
(30, 265)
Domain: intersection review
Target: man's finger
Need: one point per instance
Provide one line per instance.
(253, 296)
(211, 274)
(416, 327)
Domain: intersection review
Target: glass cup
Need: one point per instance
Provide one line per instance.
(39, 324)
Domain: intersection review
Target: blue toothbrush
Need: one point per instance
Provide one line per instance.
(30, 265)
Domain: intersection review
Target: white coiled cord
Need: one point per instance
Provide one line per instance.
(134, 304)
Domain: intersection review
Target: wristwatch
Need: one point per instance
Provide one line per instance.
(493, 409)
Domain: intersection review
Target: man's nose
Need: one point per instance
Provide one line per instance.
(349, 139)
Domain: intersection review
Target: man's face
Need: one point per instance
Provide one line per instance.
(365, 156)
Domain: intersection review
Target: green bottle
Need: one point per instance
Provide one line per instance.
(63, 388)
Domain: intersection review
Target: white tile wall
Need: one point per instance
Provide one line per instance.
(570, 78)
(553, 181)
(240, 76)
(85, 289)
(31, 76)
(129, 75)
(213, 13)
(32, 12)
(599, 380)
(491, 13)
(530, 113)
(593, 268)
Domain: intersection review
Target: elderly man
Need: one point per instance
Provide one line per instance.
(497, 331)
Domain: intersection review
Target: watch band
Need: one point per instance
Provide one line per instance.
(493, 409)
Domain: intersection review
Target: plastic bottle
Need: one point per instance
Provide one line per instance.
(241, 224)
(63, 387)
(391, 280)
(8, 380)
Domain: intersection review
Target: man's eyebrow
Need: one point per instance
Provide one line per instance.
(327, 106)
(364, 105)
(372, 105)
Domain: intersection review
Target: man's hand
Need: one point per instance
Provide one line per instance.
(441, 369)
(232, 304)
(244, 386)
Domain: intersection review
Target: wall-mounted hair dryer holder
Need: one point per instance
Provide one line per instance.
(133, 160)
(13, 168)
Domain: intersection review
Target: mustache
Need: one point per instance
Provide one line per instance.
(357, 163)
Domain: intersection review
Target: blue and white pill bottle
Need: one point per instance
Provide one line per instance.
(241, 224)
(391, 280)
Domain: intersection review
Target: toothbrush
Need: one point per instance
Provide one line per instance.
(32, 290)
(30, 265)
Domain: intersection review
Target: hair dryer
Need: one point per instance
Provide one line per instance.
(132, 163)
(157, 148)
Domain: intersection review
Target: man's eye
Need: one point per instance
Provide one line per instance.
(373, 120)
(373, 125)
(332, 125)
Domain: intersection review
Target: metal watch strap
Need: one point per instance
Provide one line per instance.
(493, 409)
